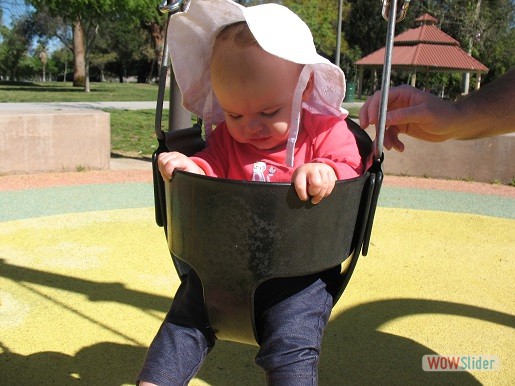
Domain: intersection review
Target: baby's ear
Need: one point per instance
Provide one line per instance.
(309, 88)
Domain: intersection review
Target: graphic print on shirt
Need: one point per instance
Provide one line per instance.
(258, 171)
(271, 172)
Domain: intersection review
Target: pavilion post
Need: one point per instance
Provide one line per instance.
(360, 81)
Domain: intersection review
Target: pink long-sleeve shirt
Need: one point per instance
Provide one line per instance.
(321, 138)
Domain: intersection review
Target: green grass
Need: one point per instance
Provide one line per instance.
(132, 132)
(353, 112)
(17, 92)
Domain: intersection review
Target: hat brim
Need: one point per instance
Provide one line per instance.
(277, 30)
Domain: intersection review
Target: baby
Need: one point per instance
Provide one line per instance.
(276, 104)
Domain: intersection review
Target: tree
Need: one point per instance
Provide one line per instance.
(14, 47)
(484, 29)
(146, 13)
(47, 27)
(61, 58)
(487, 33)
(42, 54)
(85, 16)
(100, 61)
(365, 27)
(322, 19)
(80, 55)
(127, 41)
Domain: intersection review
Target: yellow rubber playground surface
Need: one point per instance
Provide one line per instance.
(86, 278)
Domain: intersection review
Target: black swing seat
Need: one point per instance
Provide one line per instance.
(238, 234)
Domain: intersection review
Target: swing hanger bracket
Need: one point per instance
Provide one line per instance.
(401, 13)
(172, 6)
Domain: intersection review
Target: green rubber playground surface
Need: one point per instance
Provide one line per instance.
(86, 279)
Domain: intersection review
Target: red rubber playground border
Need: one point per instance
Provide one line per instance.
(45, 180)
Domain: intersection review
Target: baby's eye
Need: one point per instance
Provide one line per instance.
(269, 113)
(233, 116)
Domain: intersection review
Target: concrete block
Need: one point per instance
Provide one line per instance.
(483, 160)
(34, 141)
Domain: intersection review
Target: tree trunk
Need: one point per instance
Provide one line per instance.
(44, 58)
(90, 35)
(465, 81)
(86, 78)
(65, 70)
(157, 33)
(466, 75)
(79, 69)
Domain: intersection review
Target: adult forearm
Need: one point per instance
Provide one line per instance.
(487, 112)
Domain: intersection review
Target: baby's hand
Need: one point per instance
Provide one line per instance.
(168, 162)
(314, 179)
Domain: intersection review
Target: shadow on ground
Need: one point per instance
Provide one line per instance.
(127, 155)
(354, 351)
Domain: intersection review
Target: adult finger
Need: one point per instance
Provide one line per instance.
(369, 111)
(391, 139)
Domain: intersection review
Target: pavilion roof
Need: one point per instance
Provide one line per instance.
(426, 47)
(432, 57)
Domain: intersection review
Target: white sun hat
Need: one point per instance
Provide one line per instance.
(277, 30)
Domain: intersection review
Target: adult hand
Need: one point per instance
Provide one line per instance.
(413, 112)
(483, 113)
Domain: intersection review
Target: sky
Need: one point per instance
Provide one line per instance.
(11, 9)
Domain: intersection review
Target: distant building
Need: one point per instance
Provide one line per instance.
(424, 49)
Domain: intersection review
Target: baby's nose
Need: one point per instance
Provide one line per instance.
(253, 125)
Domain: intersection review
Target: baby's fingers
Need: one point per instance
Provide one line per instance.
(300, 183)
(320, 187)
(167, 163)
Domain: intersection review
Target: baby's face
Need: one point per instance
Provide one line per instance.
(256, 96)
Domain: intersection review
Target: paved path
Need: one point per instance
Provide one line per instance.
(127, 163)
(101, 105)
(80, 105)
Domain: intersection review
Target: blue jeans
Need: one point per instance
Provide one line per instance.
(291, 315)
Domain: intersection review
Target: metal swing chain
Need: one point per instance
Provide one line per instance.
(166, 7)
(390, 14)
(161, 89)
